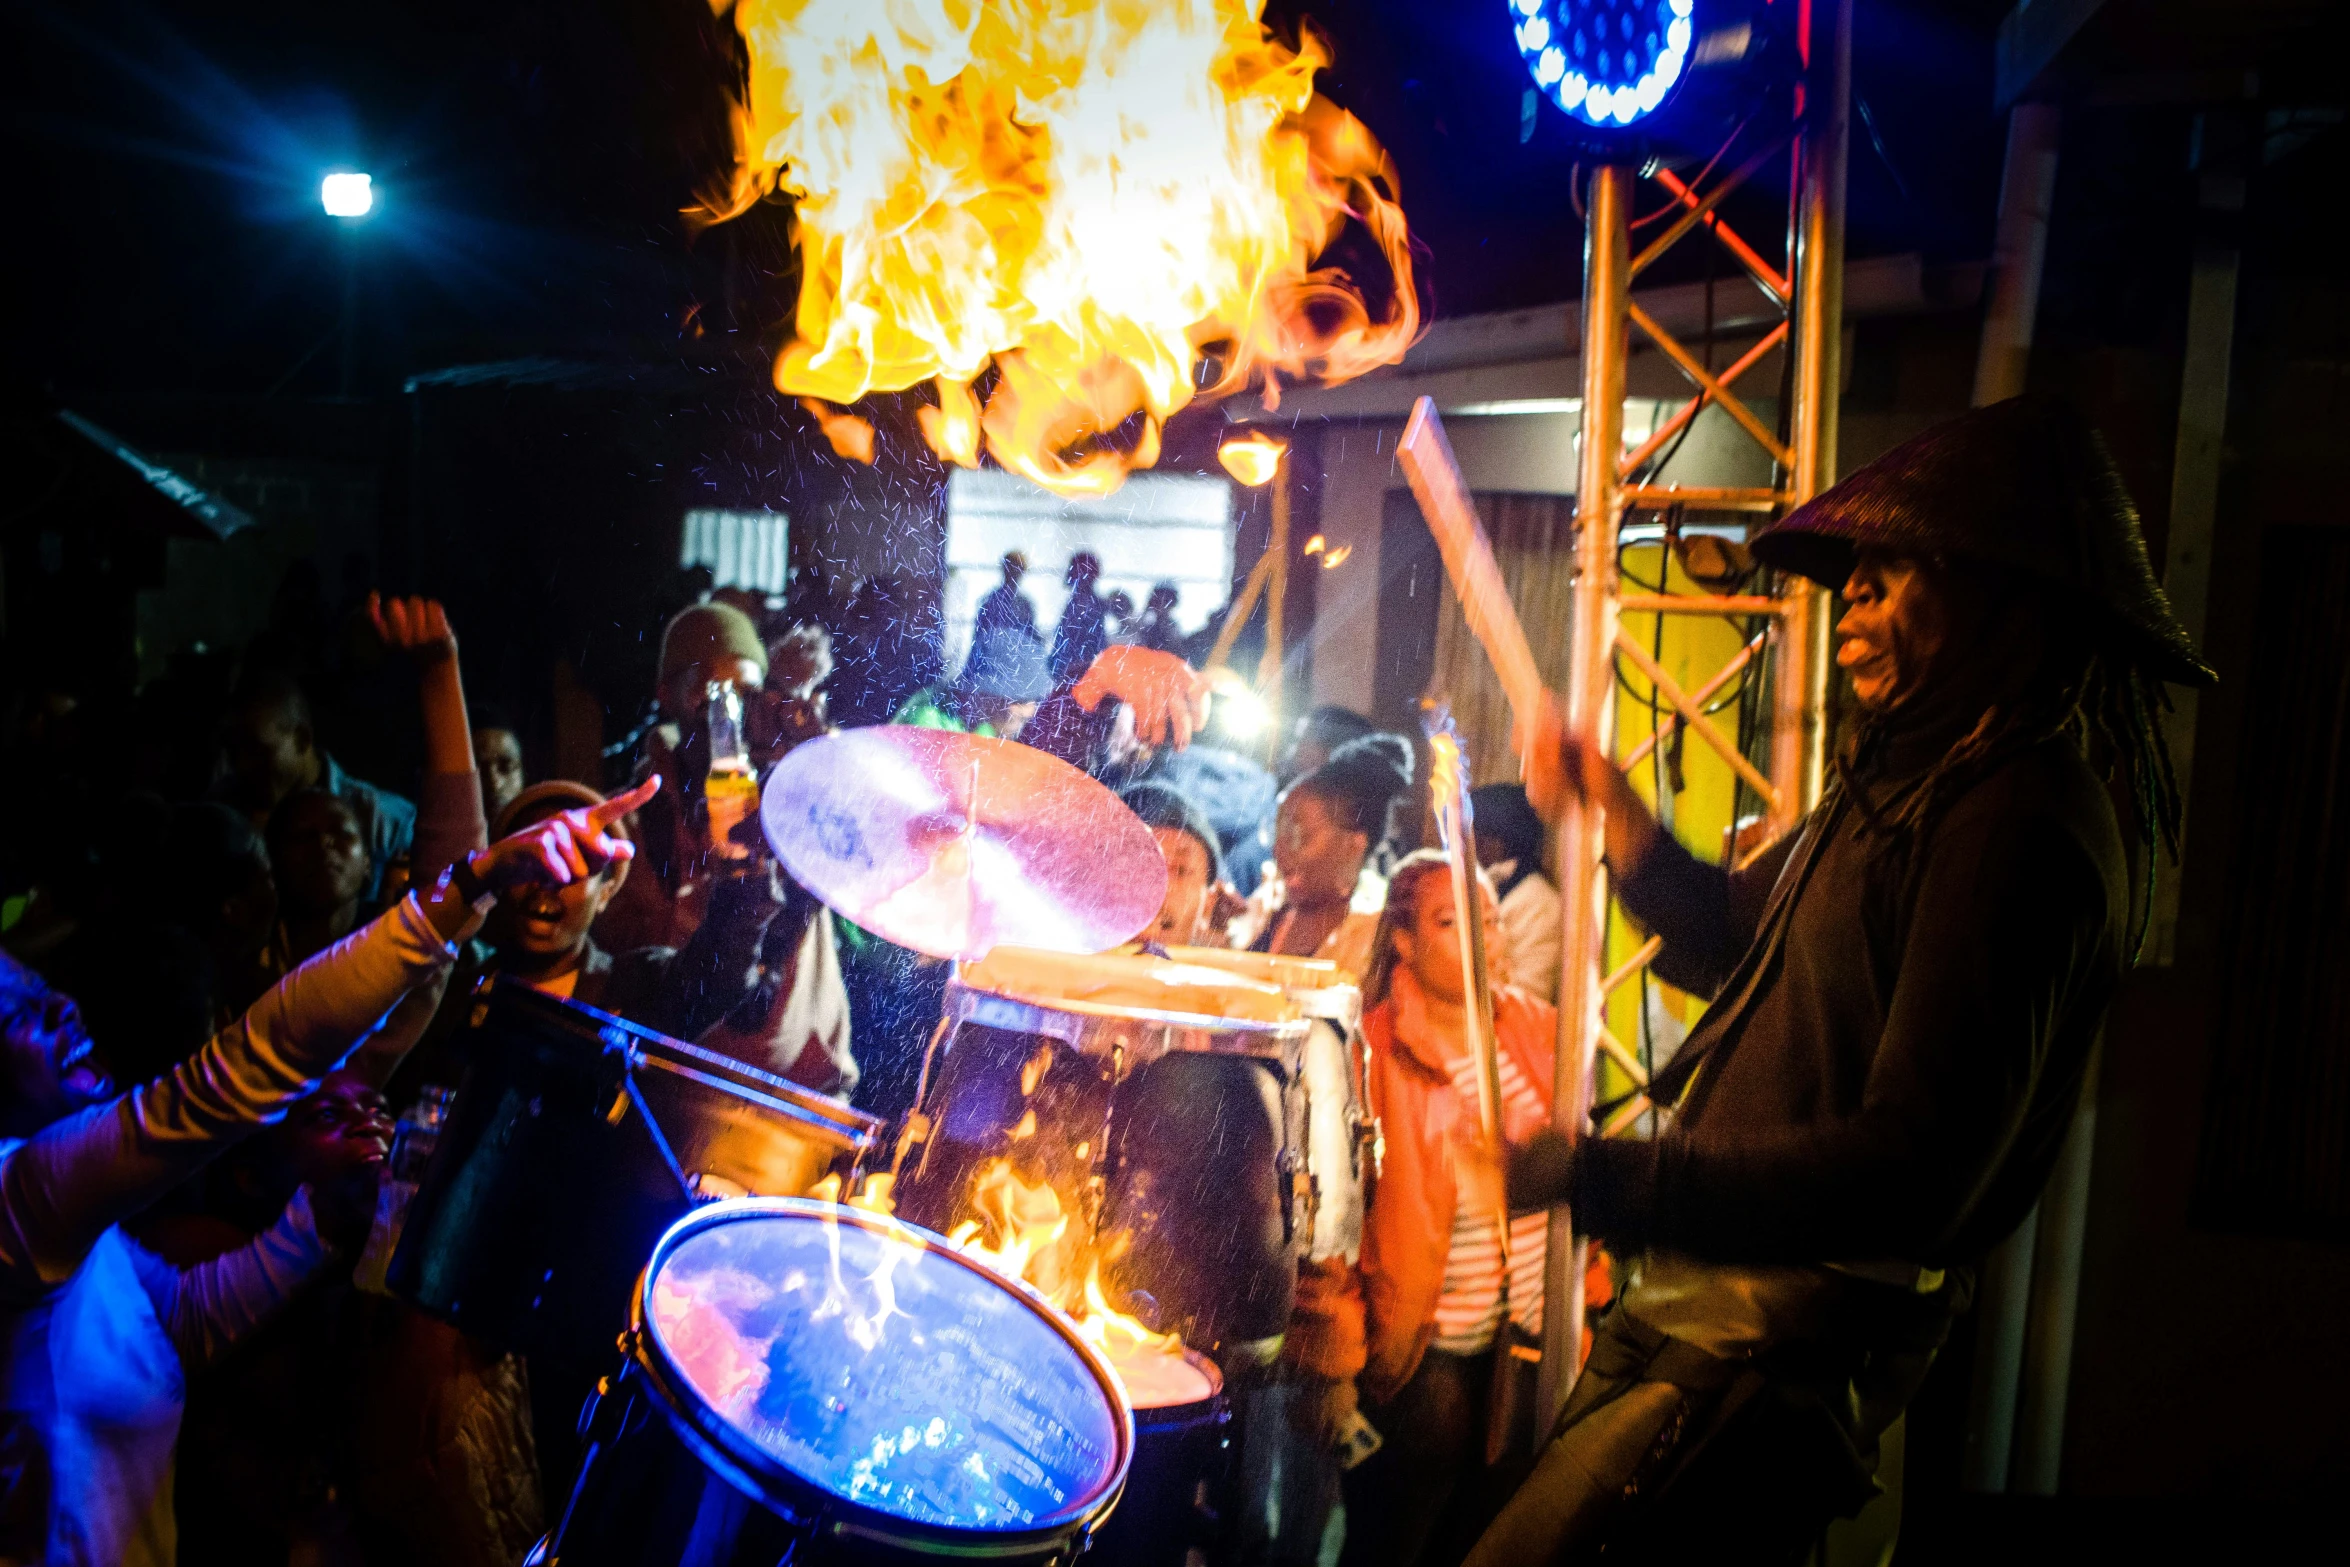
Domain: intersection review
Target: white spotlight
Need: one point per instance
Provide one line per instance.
(347, 195)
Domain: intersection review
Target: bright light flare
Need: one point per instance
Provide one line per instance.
(347, 195)
(1114, 208)
(1253, 458)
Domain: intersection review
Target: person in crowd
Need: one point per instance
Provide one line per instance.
(1418, 1329)
(263, 1440)
(497, 753)
(319, 857)
(1080, 635)
(1235, 792)
(97, 1333)
(1316, 737)
(1005, 607)
(1199, 904)
(544, 934)
(1157, 628)
(1002, 682)
(1906, 995)
(792, 705)
(1118, 623)
(1327, 900)
(270, 749)
(662, 904)
(1509, 846)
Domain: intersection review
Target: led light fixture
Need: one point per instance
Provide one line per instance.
(1654, 74)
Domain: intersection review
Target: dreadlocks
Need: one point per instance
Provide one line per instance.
(2108, 706)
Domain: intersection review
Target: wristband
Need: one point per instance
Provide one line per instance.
(467, 884)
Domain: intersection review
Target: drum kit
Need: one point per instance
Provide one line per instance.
(807, 1380)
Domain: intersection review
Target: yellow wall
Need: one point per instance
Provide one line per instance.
(1695, 647)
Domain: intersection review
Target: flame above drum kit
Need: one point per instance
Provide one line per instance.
(810, 1381)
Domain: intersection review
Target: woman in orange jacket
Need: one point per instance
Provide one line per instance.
(1413, 1330)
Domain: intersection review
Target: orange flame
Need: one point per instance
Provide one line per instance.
(1117, 206)
(1253, 459)
(1021, 1229)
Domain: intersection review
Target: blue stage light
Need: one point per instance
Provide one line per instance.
(1607, 63)
(1653, 76)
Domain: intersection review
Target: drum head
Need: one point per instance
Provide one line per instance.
(825, 1349)
(1129, 984)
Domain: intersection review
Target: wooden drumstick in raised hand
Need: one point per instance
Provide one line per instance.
(1435, 478)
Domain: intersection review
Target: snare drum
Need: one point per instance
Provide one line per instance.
(1173, 1092)
(575, 1139)
(813, 1384)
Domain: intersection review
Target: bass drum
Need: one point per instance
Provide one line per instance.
(814, 1384)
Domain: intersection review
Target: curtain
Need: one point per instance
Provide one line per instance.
(1533, 540)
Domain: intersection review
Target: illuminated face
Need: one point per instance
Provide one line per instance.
(48, 1067)
(1320, 857)
(1191, 889)
(321, 861)
(1430, 944)
(1895, 625)
(498, 753)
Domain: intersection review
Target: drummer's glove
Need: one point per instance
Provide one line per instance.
(1541, 1171)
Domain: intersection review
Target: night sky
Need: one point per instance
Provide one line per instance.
(530, 157)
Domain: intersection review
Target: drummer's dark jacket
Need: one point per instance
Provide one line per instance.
(1900, 1023)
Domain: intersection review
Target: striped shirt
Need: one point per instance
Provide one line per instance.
(1469, 1309)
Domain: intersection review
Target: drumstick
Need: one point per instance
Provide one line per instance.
(1436, 482)
(1448, 782)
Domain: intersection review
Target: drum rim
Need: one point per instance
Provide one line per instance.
(1160, 1415)
(1284, 1029)
(757, 1472)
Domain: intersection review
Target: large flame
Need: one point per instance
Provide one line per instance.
(1116, 204)
(1022, 1229)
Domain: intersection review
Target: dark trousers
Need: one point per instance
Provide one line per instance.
(1427, 1494)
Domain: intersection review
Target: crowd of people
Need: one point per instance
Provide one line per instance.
(263, 978)
(236, 968)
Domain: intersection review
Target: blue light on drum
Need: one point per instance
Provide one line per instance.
(891, 1376)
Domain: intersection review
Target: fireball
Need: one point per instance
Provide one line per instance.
(1071, 217)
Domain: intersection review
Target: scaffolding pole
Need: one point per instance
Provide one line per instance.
(1796, 613)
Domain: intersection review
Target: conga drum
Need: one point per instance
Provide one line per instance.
(1163, 1099)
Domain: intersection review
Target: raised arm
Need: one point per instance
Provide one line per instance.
(1169, 700)
(60, 1191)
(1706, 914)
(449, 819)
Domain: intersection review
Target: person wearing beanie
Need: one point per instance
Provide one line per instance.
(1196, 890)
(1905, 996)
(663, 901)
(704, 643)
(1509, 846)
(1328, 826)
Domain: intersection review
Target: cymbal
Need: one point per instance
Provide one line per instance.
(954, 844)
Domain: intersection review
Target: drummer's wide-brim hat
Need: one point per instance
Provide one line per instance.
(2026, 484)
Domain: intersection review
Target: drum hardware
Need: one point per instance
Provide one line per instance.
(542, 1199)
